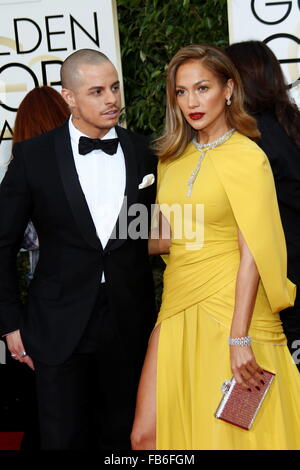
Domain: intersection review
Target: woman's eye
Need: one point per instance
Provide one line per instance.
(179, 92)
(203, 88)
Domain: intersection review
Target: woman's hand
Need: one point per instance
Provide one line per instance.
(244, 367)
(159, 246)
(159, 242)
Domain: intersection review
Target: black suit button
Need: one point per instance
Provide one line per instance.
(108, 253)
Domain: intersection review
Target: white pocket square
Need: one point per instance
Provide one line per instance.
(147, 181)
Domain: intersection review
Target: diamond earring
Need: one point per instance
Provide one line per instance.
(228, 101)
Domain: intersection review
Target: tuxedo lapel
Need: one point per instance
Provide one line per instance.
(72, 187)
(131, 188)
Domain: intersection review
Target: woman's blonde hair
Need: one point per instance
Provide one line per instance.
(178, 132)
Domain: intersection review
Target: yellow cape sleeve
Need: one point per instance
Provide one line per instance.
(246, 176)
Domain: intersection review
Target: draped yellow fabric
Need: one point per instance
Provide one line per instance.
(233, 190)
(246, 176)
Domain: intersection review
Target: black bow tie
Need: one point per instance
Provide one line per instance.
(87, 145)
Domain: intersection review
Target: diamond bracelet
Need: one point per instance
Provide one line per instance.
(242, 341)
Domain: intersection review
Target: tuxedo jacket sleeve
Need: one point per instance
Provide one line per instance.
(15, 208)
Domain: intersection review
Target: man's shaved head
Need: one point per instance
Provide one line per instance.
(69, 72)
(91, 88)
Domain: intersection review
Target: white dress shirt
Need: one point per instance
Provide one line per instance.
(102, 178)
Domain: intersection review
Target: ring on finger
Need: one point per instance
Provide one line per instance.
(13, 356)
(23, 354)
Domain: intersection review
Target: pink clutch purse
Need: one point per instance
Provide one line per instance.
(239, 406)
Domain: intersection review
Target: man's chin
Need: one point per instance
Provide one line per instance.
(109, 124)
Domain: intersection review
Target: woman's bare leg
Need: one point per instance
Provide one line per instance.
(143, 436)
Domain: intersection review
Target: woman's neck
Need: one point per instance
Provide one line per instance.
(206, 136)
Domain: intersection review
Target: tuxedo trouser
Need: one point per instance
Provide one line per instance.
(88, 402)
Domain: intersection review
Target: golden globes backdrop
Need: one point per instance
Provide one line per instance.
(275, 22)
(35, 37)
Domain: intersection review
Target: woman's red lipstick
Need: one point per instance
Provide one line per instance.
(196, 116)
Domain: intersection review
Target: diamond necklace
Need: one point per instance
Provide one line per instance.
(203, 148)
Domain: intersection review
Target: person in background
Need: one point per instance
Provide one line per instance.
(42, 110)
(294, 92)
(278, 118)
(225, 281)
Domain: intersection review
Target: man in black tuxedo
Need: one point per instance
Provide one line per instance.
(91, 303)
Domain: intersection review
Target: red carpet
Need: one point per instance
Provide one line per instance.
(10, 440)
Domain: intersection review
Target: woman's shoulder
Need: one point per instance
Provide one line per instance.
(189, 149)
(244, 142)
(240, 150)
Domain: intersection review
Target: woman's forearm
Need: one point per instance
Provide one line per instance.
(243, 363)
(245, 295)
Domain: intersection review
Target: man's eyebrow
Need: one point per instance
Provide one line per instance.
(100, 87)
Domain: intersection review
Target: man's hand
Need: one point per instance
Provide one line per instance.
(16, 348)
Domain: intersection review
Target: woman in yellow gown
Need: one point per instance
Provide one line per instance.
(225, 279)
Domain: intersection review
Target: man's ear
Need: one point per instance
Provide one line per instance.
(69, 97)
